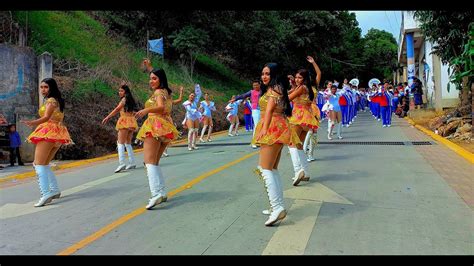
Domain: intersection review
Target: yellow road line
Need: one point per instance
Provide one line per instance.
(453, 146)
(104, 230)
(86, 161)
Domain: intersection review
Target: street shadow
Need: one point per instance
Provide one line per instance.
(333, 157)
(338, 177)
(193, 197)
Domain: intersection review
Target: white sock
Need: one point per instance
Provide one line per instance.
(209, 132)
(203, 131)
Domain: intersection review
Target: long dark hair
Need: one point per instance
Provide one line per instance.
(326, 83)
(307, 82)
(130, 104)
(276, 79)
(54, 92)
(160, 73)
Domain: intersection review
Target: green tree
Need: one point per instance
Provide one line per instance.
(379, 53)
(190, 41)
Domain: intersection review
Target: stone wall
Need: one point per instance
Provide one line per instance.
(19, 89)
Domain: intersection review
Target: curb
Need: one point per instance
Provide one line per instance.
(453, 146)
(87, 161)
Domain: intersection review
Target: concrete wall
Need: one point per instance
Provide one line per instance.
(18, 81)
(18, 89)
(428, 77)
(451, 98)
(409, 22)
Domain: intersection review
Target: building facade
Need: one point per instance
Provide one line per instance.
(416, 60)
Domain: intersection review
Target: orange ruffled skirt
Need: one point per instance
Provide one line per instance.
(50, 131)
(303, 115)
(127, 122)
(279, 132)
(159, 127)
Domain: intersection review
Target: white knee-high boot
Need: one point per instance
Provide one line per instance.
(304, 164)
(202, 133)
(131, 157)
(156, 187)
(53, 183)
(306, 139)
(161, 177)
(274, 196)
(311, 146)
(43, 182)
(121, 155)
(230, 130)
(277, 176)
(297, 167)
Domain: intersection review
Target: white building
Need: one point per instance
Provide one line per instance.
(427, 67)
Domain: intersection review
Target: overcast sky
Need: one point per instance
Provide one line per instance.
(383, 20)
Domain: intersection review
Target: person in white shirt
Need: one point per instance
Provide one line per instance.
(232, 116)
(207, 107)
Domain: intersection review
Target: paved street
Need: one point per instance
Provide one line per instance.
(363, 198)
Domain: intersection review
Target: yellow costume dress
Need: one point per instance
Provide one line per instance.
(53, 130)
(303, 113)
(159, 126)
(127, 120)
(279, 131)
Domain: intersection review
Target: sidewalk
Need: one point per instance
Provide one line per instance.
(13, 175)
(455, 170)
(12, 170)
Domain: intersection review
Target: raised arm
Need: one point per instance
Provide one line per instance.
(198, 93)
(180, 96)
(147, 63)
(316, 68)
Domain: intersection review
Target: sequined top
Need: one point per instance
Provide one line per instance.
(303, 99)
(280, 105)
(122, 111)
(153, 102)
(57, 115)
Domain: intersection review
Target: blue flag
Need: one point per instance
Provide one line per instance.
(156, 45)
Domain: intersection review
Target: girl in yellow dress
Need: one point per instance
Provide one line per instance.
(311, 139)
(157, 132)
(303, 119)
(126, 125)
(271, 133)
(49, 135)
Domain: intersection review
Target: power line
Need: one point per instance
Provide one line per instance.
(344, 62)
(389, 21)
(396, 19)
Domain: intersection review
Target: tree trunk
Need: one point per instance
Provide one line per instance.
(465, 93)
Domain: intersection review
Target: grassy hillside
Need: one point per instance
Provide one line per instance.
(89, 64)
(78, 37)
